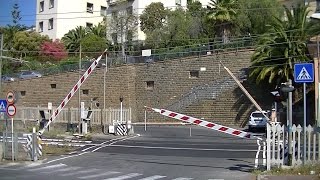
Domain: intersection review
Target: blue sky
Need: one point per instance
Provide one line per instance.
(27, 8)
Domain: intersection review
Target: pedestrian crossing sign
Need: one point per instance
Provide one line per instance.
(303, 73)
(3, 105)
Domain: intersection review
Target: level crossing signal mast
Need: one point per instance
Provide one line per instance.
(73, 91)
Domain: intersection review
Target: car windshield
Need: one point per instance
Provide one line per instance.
(257, 115)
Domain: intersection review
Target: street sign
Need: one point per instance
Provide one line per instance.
(303, 73)
(11, 110)
(10, 97)
(3, 105)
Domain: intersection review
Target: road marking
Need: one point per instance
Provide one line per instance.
(48, 167)
(80, 172)
(115, 142)
(97, 175)
(173, 148)
(182, 179)
(63, 170)
(111, 140)
(153, 177)
(131, 175)
(66, 157)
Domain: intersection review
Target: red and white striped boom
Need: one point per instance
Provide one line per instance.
(72, 92)
(203, 123)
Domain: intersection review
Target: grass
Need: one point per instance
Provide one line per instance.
(310, 169)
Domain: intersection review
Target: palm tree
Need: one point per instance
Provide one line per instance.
(99, 30)
(283, 45)
(73, 38)
(222, 12)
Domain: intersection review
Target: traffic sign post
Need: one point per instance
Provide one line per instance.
(11, 111)
(3, 105)
(304, 73)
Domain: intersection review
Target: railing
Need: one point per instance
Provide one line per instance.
(71, 115)
(277, 148)
(202, 92)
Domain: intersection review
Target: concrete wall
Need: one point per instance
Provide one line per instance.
(171, 82)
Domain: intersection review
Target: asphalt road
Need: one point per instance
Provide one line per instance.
(161, 152)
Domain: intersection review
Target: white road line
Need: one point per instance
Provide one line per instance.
(131, 175)
(63, 170)
(153, 177)
(115, 142)
(173, 148)
(182, 178)
(48, 167)
(80, 172)
(97, 175)
(66, 157)
(8, 165)
(111, 140)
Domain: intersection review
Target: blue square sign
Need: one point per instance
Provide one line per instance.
(3, 105)
(303, 73)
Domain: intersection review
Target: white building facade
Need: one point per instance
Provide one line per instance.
(136, 7)
(56, 17)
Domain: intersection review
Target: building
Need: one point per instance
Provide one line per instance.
(117, 8)
(56, 17)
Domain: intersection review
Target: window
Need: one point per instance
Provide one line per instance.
(129, 10)
(53, 86)
(318, 6)
(40, 26)
(89, 7)
(50, 24)
(89, 25)
(150, 85)
(85, 91)
(23, 93)
(103, 11)
(114, 14)
(41, 6)
(194, 74)
(178, 2)
(51, 4)
(114, 37)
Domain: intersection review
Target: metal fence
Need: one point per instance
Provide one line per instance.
(72, 115)
(277, 145)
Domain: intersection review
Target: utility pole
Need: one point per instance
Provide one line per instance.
(105, 72)
(80, 51)
(290, 123)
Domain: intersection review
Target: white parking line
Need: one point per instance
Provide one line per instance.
(48, 167)
(97, 175)
(80, 172)
(128, 176)
(153, 177)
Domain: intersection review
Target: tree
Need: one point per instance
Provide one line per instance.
(92, 45)
(253, 15)
(98, 30)
(223, 12)
(16, 15)
(53, 50)
(283, 45)
(73, 38)
(153, 17)
(28, 43)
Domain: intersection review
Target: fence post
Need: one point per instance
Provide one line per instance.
(34, 145)
(268, 147)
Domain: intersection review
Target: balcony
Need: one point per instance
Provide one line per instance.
(116, 2)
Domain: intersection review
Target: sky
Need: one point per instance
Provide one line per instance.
(27, 8)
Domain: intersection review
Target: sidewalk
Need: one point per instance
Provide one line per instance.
(287, 177)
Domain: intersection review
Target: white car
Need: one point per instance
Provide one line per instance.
(257, 120)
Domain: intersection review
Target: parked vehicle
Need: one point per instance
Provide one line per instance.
(258, 120)
(29, 74)
(6, 78)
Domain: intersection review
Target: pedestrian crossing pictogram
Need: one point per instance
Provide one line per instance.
(3, 105)
(304, 75)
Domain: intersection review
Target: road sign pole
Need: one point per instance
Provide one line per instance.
(304, 124)
(12, 147)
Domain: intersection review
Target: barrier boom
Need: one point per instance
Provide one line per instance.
(203, 123)
(72, 92)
